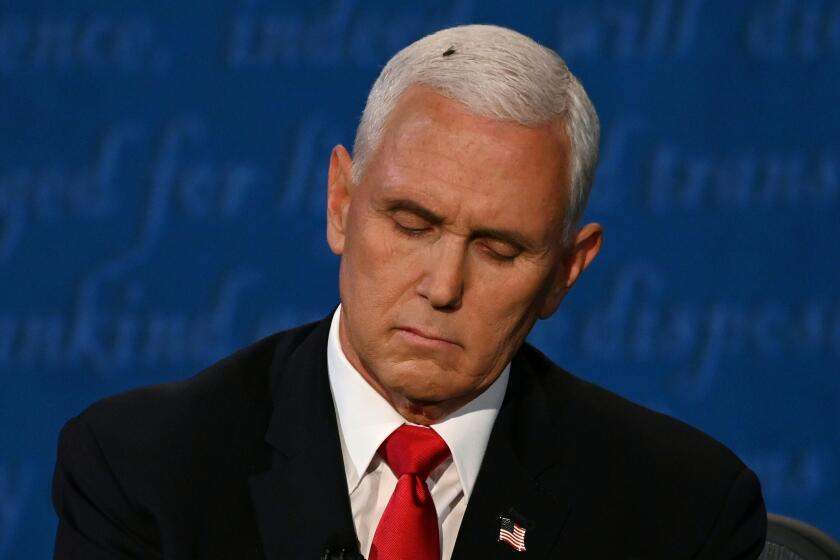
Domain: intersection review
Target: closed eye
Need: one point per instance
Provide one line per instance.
(500, 252)
(413, 232)
(410, 223)
(499, 249)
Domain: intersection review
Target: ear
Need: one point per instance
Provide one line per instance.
(339, 192)
(584, 250)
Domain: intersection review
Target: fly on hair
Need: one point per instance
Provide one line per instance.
(449, 52)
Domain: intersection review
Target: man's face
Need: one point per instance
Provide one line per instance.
(450, 250)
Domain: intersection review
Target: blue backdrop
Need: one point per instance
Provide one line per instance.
(162, 188)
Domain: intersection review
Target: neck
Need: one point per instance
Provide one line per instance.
(424, 413)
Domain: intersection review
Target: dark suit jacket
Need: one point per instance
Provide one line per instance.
(243, 461)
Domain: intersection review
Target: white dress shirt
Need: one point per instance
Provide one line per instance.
(365, 419)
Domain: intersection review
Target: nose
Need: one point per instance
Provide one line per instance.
(442, 283)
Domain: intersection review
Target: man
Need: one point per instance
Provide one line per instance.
(415, 422)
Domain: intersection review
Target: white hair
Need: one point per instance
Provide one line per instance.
(497, 73)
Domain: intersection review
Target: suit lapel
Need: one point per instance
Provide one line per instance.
(301, 502)
(519, 471)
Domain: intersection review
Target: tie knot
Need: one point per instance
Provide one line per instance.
(413, 450)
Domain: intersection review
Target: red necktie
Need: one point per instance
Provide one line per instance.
(408, 529)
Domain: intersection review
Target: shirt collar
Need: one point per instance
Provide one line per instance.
(365, 418)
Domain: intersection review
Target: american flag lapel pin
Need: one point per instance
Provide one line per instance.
(512, 533)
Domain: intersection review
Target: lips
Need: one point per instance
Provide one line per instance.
(427, 335)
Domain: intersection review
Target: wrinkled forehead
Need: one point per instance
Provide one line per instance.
(422, 106)
(420, 101)
(433, 144)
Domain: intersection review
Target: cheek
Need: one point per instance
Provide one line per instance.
(505, 304)
(377, 265)
(507, 292)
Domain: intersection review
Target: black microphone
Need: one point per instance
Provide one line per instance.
(342, 553)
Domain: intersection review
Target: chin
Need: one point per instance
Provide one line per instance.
(424, 396)
(415, 386)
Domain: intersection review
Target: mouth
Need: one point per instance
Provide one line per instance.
(422, 337)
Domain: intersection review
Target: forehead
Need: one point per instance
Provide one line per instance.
(435, 150)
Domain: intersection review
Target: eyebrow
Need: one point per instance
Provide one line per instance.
(506, 236)
(414, 208)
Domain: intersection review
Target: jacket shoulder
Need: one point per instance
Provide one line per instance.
(165, 437)
(239, 380)
(654, 483)
(619, 426)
